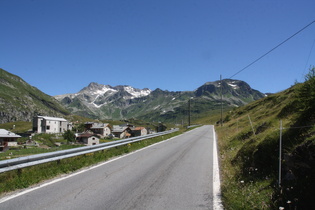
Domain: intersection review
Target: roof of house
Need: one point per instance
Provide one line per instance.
(138, 128)
(99, 125)
(8, 134)
(117, 128)
(52, 118)
(86, 135)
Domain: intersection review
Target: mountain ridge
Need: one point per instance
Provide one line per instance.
(118, 102)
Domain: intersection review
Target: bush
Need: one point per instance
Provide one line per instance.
(69, 136)
(306, 93)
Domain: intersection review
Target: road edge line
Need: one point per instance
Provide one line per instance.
(217, 202)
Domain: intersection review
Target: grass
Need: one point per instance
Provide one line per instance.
(19, 179)
(242, 187)
(249, 160)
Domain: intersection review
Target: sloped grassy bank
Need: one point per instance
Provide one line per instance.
(249, 151)
(19, 179)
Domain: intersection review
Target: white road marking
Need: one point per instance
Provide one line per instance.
(217, 203)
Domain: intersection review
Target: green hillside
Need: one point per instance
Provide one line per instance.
(20, 101)
(249, 151)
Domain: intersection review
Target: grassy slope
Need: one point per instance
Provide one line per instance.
(249, 162)
(18, 96)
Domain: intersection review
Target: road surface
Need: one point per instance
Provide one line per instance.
(174, 174)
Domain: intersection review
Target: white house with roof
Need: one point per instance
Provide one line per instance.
(88, 138)
(7, 139)
(45, 124)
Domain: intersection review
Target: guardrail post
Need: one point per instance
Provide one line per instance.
(19, 172)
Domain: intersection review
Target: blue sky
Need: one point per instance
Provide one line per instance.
(60, 46)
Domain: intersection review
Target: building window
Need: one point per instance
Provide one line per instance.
(47, 127)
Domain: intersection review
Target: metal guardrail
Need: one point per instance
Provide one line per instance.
(23, 162)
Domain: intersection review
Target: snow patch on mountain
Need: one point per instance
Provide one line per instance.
(98, 105)
(154, 108)
(137, 93)
(233, 85)
(104, 90)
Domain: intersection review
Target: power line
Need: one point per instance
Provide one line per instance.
(309, 55)
(273, 49)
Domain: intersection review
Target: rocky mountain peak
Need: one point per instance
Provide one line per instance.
(96, 88)
(229, 87)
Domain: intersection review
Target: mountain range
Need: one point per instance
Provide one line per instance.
(124, 102)
(20, 101)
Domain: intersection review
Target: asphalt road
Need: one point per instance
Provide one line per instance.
(174, 174)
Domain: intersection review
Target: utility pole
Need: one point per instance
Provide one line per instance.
(221, 101)
(189, 112)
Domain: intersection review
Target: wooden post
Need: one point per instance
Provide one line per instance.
(19, 171)
(280, 153)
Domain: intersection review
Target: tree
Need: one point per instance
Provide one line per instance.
(69, 136)
(79, 128)
(311, 75)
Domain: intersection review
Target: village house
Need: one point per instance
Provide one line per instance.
(121, 131)
(7, 139)
(139, 131)
(103, 129)
(45, 124)
(87, 138)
